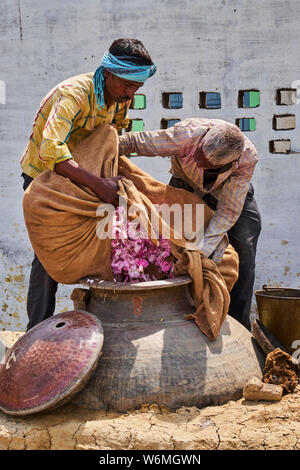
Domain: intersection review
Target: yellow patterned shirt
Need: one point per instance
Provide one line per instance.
(67, 115)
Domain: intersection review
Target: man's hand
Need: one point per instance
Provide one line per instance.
(106, 189)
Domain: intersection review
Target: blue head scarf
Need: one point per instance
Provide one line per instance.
(119, 67)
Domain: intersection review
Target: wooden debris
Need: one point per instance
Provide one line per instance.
(264, 338)
(255, 389)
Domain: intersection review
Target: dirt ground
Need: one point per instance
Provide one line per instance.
(238, 424)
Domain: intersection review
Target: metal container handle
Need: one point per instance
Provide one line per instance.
(270, 288)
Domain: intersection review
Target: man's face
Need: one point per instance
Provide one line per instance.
(201, 159)
(119, 89)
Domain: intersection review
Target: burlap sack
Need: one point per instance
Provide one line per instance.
(62, 221)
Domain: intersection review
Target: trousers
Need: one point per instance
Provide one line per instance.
(42, 288)
(243, 236)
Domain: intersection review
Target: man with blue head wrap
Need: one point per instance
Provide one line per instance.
(69, 113)
(132, 76)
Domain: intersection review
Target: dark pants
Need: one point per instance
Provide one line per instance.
(243, 237)
(42, 288)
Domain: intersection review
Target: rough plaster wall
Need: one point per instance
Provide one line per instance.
(198, 46)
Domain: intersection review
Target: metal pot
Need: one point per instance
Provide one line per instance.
(279, 311)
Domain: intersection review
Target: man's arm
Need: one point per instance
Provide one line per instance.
(165, 143)
(105, 188)
(55, 153)
(229, 208)
(58, 128)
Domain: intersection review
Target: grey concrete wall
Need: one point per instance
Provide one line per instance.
(198, 46)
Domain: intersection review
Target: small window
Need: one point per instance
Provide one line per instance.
(284, 122)
(286, 96)
(139, 102)
(210, 100)
(246, 124)
(135, 125)
(280, 146)
(166, 123)
(249, 98)
(172, 100)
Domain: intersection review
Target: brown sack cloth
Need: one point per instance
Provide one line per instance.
(61, 220)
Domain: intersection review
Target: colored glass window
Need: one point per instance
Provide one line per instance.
(246, 124)
(166, 123)
(249, 98)
(210, 100)
(172, 100)
(137, 125)
(139, 102)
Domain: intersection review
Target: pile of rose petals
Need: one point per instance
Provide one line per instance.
(132, 251)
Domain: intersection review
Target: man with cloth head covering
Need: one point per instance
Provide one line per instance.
(216, 160)
(69, 113)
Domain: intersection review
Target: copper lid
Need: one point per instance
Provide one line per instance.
(51, 363)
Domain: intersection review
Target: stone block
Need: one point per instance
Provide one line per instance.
(286, 96)
(284, 122)
(280, 146)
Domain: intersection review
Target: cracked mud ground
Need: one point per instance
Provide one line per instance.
(238, 424)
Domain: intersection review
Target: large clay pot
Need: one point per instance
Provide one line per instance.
(151, 354)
